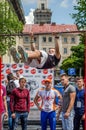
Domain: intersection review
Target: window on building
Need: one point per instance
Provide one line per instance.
(35, 39)
(65, 40)
(50, 39)
(44, 49)
(26, 48)
(42, 6)
(26, 39)
(65, 50)
(72, 40)
(44, 39)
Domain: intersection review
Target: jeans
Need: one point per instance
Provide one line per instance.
(67, 124)
(51, 116)
(77, 120)
(23, 118)
(10, 120)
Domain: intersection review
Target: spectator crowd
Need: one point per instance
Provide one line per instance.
(15, 103)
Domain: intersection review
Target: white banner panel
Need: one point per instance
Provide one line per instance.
(35, 77)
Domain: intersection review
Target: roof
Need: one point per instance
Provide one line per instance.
(49, 28)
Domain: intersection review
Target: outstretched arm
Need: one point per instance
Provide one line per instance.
(33, 47)
(57, 52)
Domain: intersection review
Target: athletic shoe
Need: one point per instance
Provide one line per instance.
(15, 55)
(24, 55)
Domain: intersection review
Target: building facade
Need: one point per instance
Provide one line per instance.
(43, 33)
(44, 38)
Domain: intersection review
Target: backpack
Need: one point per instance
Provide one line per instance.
(10, 86)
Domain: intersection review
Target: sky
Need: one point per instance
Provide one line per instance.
(61, 10)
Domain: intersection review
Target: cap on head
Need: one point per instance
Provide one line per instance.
(48, 80)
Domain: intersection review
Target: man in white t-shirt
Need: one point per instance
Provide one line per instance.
(48, 104)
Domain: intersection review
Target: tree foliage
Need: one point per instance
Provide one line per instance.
(9, 24)
(76, 60)
(80, 15)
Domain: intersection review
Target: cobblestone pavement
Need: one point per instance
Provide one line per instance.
(34, 122)
(31, 127)
(34, 127)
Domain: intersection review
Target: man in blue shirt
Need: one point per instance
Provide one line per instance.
(79, 105)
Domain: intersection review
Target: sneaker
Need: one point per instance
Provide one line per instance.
(15, 55)
(24, 55)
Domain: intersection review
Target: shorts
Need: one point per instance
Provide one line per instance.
(36, 64)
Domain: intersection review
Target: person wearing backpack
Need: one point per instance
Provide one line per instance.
(9, 87)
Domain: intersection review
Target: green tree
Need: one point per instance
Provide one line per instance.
(9, 25)
(76, 60)
(80, 15)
